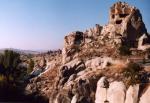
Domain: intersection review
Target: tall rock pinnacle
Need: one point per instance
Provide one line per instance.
(127, 22)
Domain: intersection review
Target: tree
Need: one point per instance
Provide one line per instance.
(9, 62)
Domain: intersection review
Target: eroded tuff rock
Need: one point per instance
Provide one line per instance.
(101, 92)
(132, 94)
(77, 75)
(145, 97)
(125, 27)
(118, 93)
(127, 21)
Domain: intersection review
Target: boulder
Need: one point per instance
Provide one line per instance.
(74, 99)
(101, 90)
(94, 63)
(116, 92)
(145, 98)
(99, 62)
(132, 94)
(86, 56)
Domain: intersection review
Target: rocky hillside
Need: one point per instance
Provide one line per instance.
(104, 64)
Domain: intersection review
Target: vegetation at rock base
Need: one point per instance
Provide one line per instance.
(132, 74)
(124, 50)
(12, 77)
(31, 65)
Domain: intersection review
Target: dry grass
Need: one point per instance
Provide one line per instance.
(117, 68)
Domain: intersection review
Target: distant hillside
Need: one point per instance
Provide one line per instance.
(20, 51)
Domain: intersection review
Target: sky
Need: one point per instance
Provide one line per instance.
(42, 24)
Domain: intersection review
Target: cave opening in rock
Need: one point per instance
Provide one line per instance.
(118, 21)
(78, 37)
(113, 16)
(123, 15)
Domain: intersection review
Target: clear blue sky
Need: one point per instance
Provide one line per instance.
(42, 24)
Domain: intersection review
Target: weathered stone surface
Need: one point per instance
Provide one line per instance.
(98, 62)
(132, 94)
(141, 45)
(116, 92)
(127, 20)
(75, 76)
(101, 90)
(74, 99)
(145, 98)
(125, 27)
(71, 44)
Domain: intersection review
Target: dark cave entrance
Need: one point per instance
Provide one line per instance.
(118, 21)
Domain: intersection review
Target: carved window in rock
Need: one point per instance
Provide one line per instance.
(118, 21)
(123, 15)
(113, 16)
(78, 38)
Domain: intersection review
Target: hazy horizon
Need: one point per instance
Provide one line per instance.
(42, 24)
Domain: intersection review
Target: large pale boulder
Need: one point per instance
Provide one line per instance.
(132, 94)
(99, 62)
(74, 99)
(101, 95)
(145, 98)
(94, 63)
(116, 92)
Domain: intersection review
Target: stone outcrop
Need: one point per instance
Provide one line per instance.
(132, 94)
(127, 22)
(125, 27)
(117, 93)
(145, 97)
(101, 92)
(90, 68)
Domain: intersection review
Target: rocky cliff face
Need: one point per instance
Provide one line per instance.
(91, 68)
(125, 27)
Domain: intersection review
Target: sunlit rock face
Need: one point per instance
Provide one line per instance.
(145, 98)
(101, 91)
(116, 92)
(132, 94)
(127, 22)
(72, 42)
(80, 41)
(125, 27)
(78, 75)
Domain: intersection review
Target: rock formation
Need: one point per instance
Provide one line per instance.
(132, 94)
(125, 27)
(145, 97)
(90, 68)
